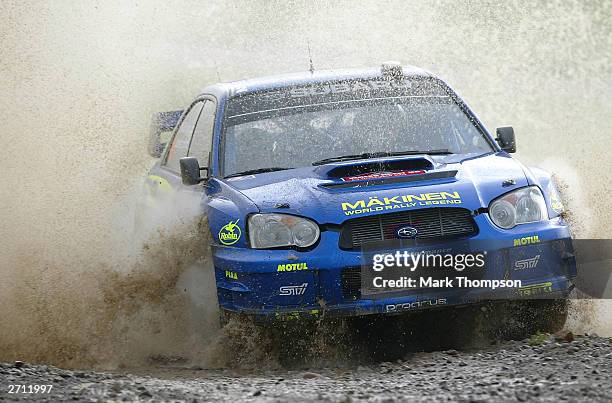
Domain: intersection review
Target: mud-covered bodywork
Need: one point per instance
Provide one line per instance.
(253, 126)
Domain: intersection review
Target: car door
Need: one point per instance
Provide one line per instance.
(165, 177)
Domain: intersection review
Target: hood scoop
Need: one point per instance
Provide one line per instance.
(384, 172)
(351, 172)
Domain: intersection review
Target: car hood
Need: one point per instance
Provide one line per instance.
(323, 194)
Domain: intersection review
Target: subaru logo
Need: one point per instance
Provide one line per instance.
(407, 232)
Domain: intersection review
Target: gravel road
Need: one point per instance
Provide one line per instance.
(546, 369)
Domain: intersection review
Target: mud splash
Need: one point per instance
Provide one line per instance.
(117, 312)
(585, 315)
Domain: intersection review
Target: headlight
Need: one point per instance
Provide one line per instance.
(276, 230)
(518, 207)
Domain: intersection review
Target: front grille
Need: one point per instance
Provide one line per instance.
(431, 224)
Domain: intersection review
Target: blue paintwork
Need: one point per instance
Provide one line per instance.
(253, 284)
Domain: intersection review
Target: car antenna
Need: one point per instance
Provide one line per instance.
(217, 71)
(310, 57)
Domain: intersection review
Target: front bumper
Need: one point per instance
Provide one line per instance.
(274, 284)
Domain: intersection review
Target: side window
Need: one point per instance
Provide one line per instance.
(180, 144)
(203, 134)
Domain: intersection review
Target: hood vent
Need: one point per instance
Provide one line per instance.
(352, 172)
(385, 172)
(444, 176)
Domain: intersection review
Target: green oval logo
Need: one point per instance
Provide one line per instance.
(230, 233)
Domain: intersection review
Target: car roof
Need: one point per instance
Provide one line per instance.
(230, 89)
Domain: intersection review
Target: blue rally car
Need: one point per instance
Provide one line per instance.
(298, 173)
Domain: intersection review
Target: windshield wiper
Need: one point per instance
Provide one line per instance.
(257, 171)
(380, 154)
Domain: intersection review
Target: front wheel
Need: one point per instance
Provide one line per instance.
(520, 319)
(545, 315)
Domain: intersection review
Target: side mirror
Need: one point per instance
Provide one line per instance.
(190, 171)
(505, 139)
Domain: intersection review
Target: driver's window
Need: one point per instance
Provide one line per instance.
(180, 144)
(202, 137)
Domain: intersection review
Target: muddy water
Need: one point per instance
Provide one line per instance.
(79, 82)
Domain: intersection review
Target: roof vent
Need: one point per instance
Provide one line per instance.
(392, 70)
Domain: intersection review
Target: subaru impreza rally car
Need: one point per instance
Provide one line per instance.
(299, 173)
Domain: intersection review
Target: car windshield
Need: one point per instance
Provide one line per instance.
(301, 132)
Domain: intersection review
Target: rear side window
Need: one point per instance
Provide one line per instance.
(202, 137)
(182, 138)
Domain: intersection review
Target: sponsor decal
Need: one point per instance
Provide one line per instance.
(528, 240)
(416, 304)
(379, 175)
(272, 96)
(530, 263)
(557, 206)
(292, 267)
(295, 314)
(289, 290)
(230, 233)
(555, 200)
(156, 183)
(231, 274)
(556, 203)
(407, 232)
(535, 289)
(374, 203)
(287, 316)
(335, 88)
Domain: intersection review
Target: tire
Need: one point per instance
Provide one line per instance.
(517, 320)
(225, 317)
(545, 315)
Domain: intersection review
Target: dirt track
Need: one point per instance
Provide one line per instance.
(512, 371)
